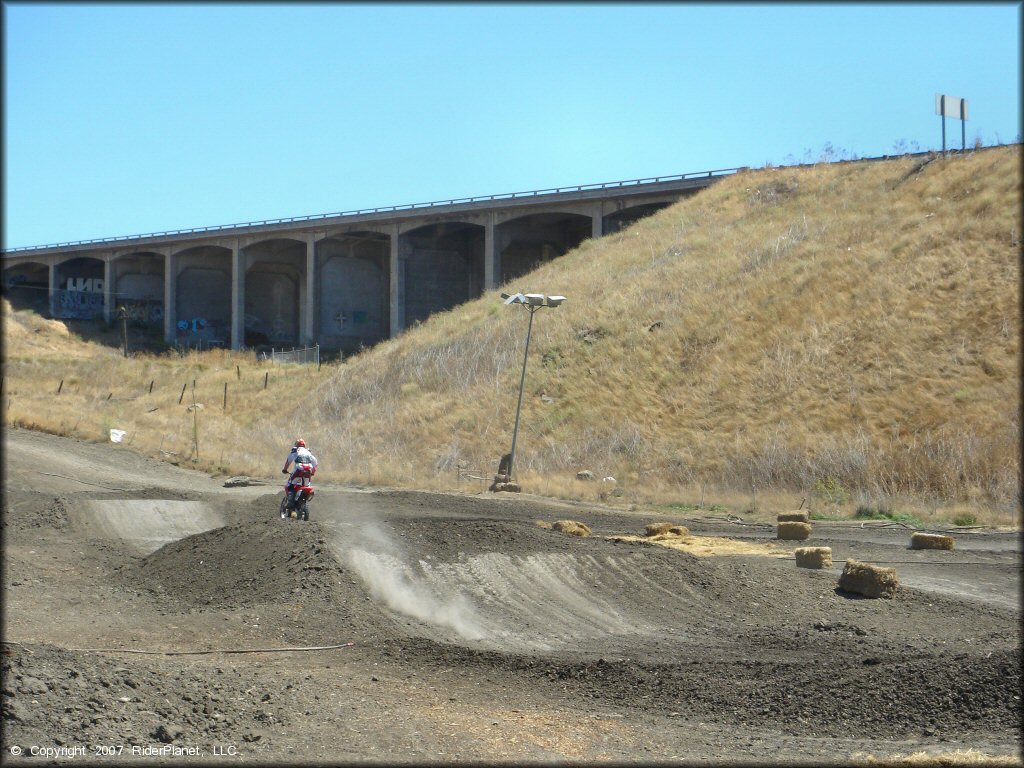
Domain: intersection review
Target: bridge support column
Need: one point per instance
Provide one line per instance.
(108, 289)
(597, 221)
(237, 297)
(170, 297)
(312, 300)
(492, 269)
(397, 310)
(52, 281)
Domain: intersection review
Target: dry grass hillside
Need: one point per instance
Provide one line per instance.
(848, 332)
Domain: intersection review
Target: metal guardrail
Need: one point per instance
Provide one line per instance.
(389, 209)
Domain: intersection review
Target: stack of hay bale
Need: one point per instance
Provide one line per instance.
(796, 526)
(793, 526)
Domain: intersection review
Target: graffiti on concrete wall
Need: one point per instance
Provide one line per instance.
(144, 311)
(82, 299)
(198, 328)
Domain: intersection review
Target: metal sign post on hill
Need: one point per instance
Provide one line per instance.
(953, 107)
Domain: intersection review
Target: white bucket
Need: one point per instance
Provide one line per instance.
(117, 435)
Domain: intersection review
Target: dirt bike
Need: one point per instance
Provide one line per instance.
(298, 495)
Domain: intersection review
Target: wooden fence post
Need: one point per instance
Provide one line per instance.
(182, 395)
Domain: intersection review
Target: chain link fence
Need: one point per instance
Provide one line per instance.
(301, 355)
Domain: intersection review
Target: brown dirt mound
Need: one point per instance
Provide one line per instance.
(241, 565)
(49, 693)
(54, 513)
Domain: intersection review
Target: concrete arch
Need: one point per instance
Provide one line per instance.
(527, 241)
(202, 294)
(138, 286)
(274, 290)
(441, 265)
(78, 288)
(354, 286)
(273, 248)
(362, 229)
(26, 285)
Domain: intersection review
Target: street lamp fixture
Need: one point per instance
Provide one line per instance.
(532, 302)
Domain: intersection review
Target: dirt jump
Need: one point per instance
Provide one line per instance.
(155, 613)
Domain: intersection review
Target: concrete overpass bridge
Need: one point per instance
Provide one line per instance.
(342, 280)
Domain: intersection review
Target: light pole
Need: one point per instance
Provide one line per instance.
(532, 302)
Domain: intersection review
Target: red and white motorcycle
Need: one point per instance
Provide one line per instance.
(298, 494)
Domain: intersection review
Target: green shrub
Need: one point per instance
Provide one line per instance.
(870, 513)
(831, 490)
(965, 519)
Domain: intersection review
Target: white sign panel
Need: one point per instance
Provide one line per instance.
(950, 106)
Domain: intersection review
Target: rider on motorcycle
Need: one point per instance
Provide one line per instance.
(305, 465)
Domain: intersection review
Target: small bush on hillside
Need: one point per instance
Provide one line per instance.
(866, 512)
(831, 490)
(965, 519)
(870, 513)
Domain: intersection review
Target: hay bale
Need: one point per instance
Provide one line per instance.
(794, 517)
(868, 580)
(542, 524)
(793, 531)
(657, 529)
(571, 527)
(930, 541)
(679, 530)
(813, 557)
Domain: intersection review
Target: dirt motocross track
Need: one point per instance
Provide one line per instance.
(475, 634)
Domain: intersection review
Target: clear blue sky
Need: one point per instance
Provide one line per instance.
(124, 119)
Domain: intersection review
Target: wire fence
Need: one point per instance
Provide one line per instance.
(301, 355)
(187, 344)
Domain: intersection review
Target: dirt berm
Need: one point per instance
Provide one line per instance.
(455, 629)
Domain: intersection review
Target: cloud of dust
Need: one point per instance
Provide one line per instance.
(378, 561)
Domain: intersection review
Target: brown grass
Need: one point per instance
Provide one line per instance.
(902, 384)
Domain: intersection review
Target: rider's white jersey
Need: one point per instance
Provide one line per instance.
(300, 455)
